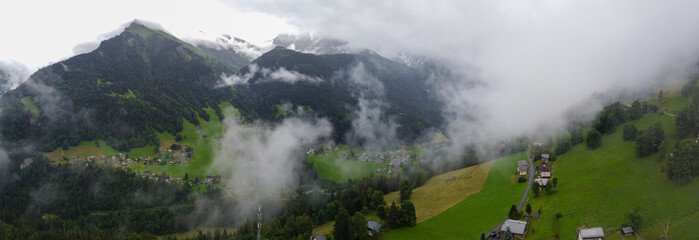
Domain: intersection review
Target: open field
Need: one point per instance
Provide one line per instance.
(444, 191)
(476, 214)
(339, 170)
(599, 187)
(86, 148)
(673, 104)
(29, 104)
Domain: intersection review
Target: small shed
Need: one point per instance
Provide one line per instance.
(318, 237)
(374, 226)
(591, 233)
(627, 231)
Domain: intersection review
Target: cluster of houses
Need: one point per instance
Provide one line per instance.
(120, 160)
(543, 171)
(167, 156)
(393, 159)
(544, 174)
(321, 150)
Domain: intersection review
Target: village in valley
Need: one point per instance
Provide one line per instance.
(391, 160)
(177, 153)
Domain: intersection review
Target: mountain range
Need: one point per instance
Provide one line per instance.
(145, 81)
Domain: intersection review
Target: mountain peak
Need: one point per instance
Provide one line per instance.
(145, 29)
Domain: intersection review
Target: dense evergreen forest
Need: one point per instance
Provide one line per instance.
(403, 90)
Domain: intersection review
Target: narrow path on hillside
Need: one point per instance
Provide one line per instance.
(672, 115)
(532, 172)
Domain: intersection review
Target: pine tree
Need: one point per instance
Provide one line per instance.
(342, 226)
(407, 213)
(358, 227)
(513, 212)
(529, 209)
(508, 235)
(405, 190)
(381, 213)
(393, 220)
(594, 139)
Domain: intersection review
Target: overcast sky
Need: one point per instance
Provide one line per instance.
(37, 33)
(534, 58)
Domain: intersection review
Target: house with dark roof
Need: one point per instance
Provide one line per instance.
(545, 171)
(522, 167)
(545, 157)
(590, 233)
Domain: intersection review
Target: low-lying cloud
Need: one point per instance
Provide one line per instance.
(12, 74)
(259, 159)
(226, 42)
(90, 46)
(262, 74)
(515, 65)
(371, 128)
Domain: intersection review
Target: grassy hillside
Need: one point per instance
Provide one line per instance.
(476, 214)
(599, 187)
(204, 139)
(86, 148)
(339, 170)
(673, 104)
(444, 191)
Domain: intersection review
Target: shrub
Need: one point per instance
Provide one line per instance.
(521, 179)
(630, 132)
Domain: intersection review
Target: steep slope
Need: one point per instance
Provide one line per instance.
(134, 83)
(341, 87)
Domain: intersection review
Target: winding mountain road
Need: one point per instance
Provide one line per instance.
(532, 172)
